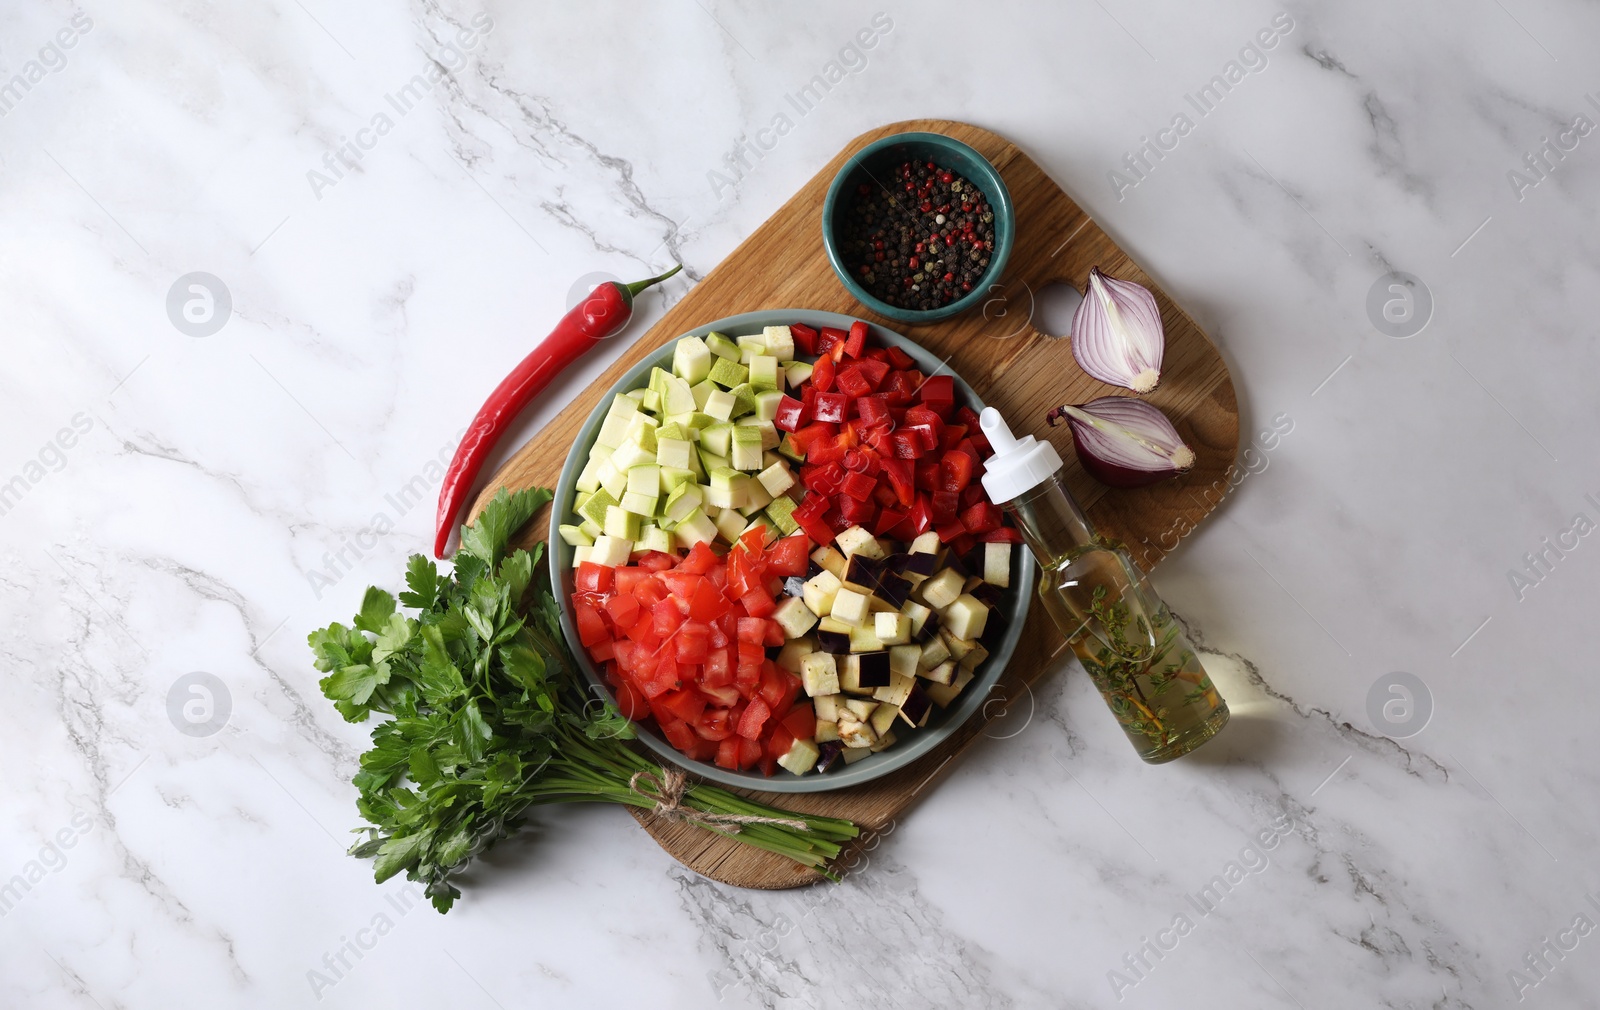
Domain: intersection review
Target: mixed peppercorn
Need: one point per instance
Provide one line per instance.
(921, 238)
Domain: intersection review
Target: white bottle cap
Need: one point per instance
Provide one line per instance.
(1018, 465)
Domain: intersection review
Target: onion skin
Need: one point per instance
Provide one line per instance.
(1099, 425)
(1117, 333)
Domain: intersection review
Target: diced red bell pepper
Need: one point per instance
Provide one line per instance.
(805, 338)
(1003, 535)
(858, 486)
(927, 438)
(812, 517)
(874, 410)
(823, 371)
(857, 341)
(791, 414)
(952, 436)
(955, 471)
(852, 382)
(900, 388)
(967, 416)
(898, 358)
(884, 495)
(972, 495)
(875, 354)
(901, 479)
(906, 446)
(888, 519)
(856, 513)
(832, 407)
(593, 578)
(981, 518)
(873, 371)
(811, 434)
(921, 518)
(945, 507)
(938, 393)
(830, 342)
(949, 531)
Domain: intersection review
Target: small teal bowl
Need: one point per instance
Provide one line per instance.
(913, 744)
(872, 164)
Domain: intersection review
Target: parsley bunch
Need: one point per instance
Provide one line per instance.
(489, 715)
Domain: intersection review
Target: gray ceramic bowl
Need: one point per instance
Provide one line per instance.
(912, 744)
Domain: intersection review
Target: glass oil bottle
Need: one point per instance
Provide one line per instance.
(1123, 634)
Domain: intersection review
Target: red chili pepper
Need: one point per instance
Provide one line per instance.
(606, 311)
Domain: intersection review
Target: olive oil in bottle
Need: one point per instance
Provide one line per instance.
(1136, 654)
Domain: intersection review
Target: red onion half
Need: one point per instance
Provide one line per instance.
(1125, 442)
(1117, 334)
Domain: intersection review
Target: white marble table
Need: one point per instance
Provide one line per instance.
(395, 213)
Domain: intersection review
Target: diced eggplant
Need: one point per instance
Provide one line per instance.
(895, 562)
(834, 642)
(850, 607)
(883, 718)
(829, 559)
(971, 660)
(988, 594)
(994, 629)
(792, 652)
(934, 652)
(819, 592)
(929, 629)
(916, 707)
(865, 639)
(884, 742)
(892, 627)
(862, 573)
(918, 614)
(801, 757)
(794, 617)
(944, 673)
(927, 543)
(829, 754)
(894, 589)
(854, 754)
(826, 730)
(794, 585)
(904, 659)
(957, 645)
(919, 564)
(997, 564)
(827, 707)
(966, 617)
(941, 590)
(863, 672)
(854, 733)
(944, 694)
(819, 674)
(894, 692)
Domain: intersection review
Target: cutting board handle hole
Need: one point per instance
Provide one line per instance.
(1053, 308)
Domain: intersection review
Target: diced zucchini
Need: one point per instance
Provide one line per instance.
(589, 476)
(764, 372)
(796, 373)
(795, 618)
(767, 402)
(746, 453)
(728, 373)
(721, 346)
(574, 535)
(621, 524)
(631, 454)
(717, 438)
(695, 528)
(645, 479)
(691, 360)
(779, 341)
(744, 399)
(776, 478)
(681, 502)
(769, 436)
(654, 538)
(610, 551)
(674, 452)
(702, 392)
(781, 512)
(730, 524)
(640, 504)
(595, 508)
(719, 405)
(819, 673)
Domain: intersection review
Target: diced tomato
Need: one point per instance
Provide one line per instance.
(708, 603)
(604, 651)
(591, 626)
(623, 610)
(630, 702)
(679, 734)
(822, 372)
(693, 642)
(754, 718)
(728, 754)
(656, 561)
(593, 578)
(801, 722)
(805, 338)
(788, 556)
(749, 753)
(791, 414)
(752, 630)
(686, 705)
(627, 579)
(779, 742)
(649, 592)
(857, 341)
(775, 634)
(758, 603)
(665, 618)
(700, 560)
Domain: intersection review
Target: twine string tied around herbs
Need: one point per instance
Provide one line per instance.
(667, 790)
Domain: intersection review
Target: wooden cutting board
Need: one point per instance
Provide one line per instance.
(1013, 367)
